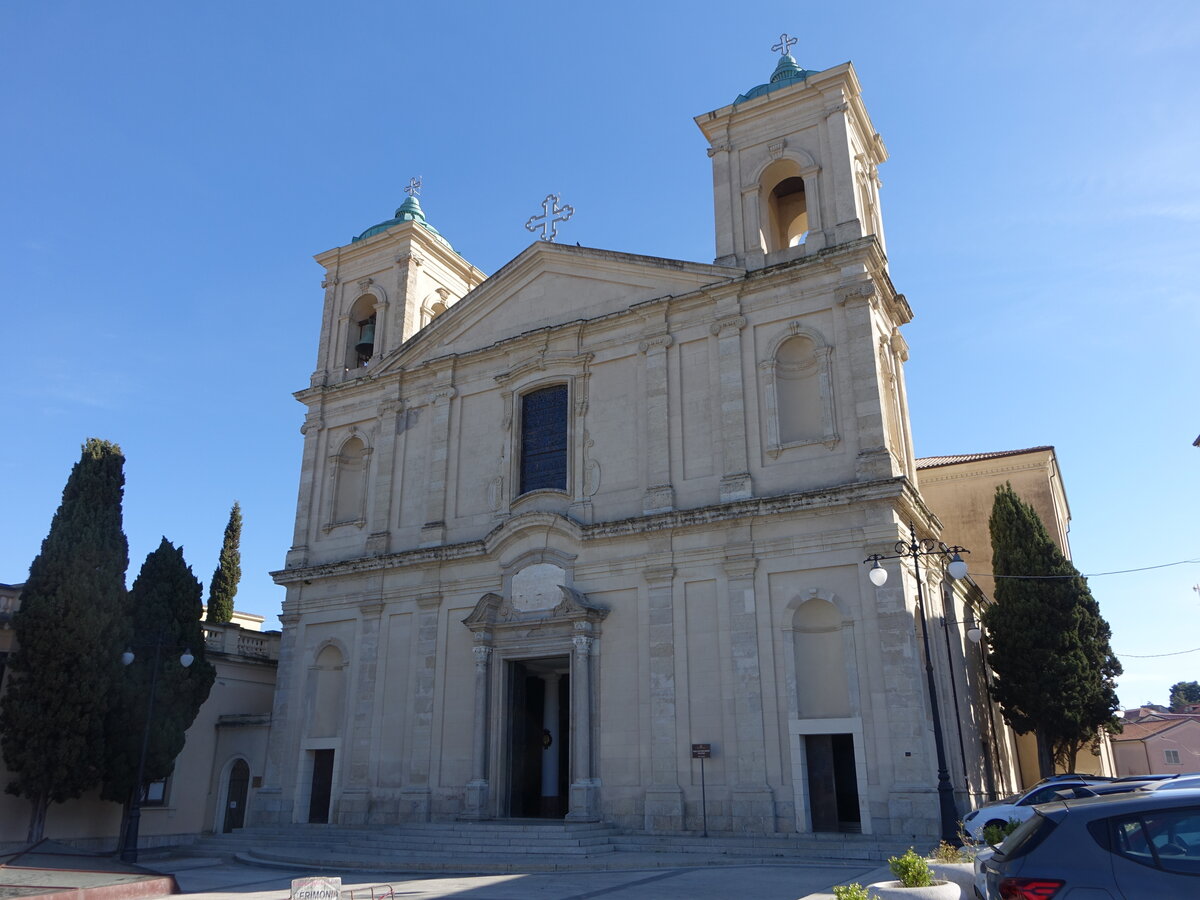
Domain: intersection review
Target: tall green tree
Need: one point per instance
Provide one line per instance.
(1048, 643)
(164, 614)
(68, 635)
(224, 585)
(1184, 693)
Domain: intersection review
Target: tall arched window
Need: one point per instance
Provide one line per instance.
(544, 439)
(789, 212)
(360, 332)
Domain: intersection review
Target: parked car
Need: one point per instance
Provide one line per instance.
(1126, 846)
(1019, 807)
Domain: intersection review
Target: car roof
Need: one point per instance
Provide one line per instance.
(1130, 801)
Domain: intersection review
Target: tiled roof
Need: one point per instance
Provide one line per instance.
(929, 462)
(1142, 730)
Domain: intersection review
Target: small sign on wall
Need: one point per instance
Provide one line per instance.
(316, 888)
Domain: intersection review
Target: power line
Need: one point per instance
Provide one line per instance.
(1182, 562)
(1156, 655)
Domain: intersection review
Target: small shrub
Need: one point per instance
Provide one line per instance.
(948, 853)
(911, 870)
(853, 891)
(994, 834)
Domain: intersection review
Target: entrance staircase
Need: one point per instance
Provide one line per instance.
(523, 845)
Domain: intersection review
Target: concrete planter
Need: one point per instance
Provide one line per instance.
(894, 890)
(962, 874)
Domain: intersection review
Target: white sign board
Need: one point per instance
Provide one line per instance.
(316, 888)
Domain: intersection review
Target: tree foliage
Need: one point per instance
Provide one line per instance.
(1184, 693)
(53, 714)
(1048, 643)
(164, 615)
(224, 585)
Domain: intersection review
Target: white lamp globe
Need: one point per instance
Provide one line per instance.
(187, 659)
(878, 575)
(957, 568)
(974, 634)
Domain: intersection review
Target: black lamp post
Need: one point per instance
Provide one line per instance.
(129, 846)
(914, 548)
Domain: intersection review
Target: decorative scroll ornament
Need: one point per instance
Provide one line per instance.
(552, 214)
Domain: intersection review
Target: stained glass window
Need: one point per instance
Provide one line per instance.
(544, 439)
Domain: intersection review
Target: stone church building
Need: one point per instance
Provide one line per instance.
(558, 525)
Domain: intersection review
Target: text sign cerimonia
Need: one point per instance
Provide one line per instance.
(701, 751)
(316, 888)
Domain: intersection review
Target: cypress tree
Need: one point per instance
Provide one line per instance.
(164, 611)
(53, 714)
(224, 585)
(1048, 643)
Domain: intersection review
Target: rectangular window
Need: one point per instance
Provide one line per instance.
(155, 793)
(544, 439)
(1171, 757)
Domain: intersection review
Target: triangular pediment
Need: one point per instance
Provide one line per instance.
(548, 285)
(494, 611)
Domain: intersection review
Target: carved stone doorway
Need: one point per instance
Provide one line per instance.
(539, 728)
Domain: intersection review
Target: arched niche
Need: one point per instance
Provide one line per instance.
(819, 654)
(348, 470)
(326, 692)
(797, 384)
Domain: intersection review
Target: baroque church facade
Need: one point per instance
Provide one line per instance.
(560, 524)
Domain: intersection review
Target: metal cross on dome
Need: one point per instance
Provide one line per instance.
(552, 214)
(785, 44)
(413, 188)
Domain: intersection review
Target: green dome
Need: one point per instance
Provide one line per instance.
(409, 211)
(787, 72)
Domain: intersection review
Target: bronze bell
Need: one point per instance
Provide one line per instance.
(366, 341)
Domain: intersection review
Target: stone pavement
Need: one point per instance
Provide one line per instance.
(214, 879)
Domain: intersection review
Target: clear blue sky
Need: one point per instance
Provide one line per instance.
(172, 167)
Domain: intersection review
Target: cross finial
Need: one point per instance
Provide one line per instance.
(785, 44)
(413, 188)
(552, 214)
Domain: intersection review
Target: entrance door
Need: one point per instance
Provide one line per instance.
(538, 729)
(832, 782)
(235, 796)
(322, 786)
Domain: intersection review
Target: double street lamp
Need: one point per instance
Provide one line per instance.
(129, 845)
(914, 548)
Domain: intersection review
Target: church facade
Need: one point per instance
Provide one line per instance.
(560, 525)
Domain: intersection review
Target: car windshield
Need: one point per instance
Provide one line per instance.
(1027, 835)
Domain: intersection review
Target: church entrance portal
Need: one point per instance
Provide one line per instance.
(539, 716)
(832, 782)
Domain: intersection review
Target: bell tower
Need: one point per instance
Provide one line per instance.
(794, 166)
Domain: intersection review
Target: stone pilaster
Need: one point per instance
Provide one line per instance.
(735, 471)
(415, 800)
(660, 495)
(585, 790)
(355, 799)
(664, 798)
(753, 809)
(476, 806)
(433, 532)
(272, 804)
(381, 486)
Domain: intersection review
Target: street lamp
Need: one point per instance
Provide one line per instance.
(914, 548)
(129, 846)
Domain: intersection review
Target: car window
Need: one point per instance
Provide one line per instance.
(1167, 839)
(1046, 794)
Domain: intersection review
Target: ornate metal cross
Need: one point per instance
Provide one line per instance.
(413, 188)
(552, 214)
(785, 44)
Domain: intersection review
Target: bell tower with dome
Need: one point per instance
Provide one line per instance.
(795, 165)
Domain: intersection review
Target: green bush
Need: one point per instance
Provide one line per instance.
(994, 834)
(948, 853)
(853, 891)
(911, 870)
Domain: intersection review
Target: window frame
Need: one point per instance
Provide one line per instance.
(519, 438)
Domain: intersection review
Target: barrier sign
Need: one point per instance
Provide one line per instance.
(316, 888)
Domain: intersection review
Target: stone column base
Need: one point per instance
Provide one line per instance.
(353, 805)
(585, 802)
(268, 808)
(414, 804)
(753, 810)
(476, 801)
(664, 808)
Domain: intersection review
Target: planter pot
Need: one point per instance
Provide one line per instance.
(894, 890)
(962, 874)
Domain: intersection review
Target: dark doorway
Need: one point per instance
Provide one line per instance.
(235, 796)
(539, 717)
(322, 786)
(832, 782)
